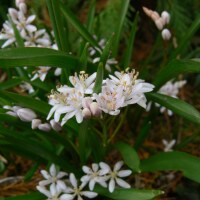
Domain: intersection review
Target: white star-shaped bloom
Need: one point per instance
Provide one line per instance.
(94, 175)
(76, 191)
(115, 176)
(53, 177)
(168, 145)
(41, 73)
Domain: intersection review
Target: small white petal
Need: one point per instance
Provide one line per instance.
(124, 173)
(111, 185)
(88, 194)
(122, 183)
(118, 165)
(73, 180)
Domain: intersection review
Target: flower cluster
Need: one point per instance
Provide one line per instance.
(57, 186)
(31, 36)
(28, 115)
(93, 52)
(80, 101)
(160, 21)
(170, 89)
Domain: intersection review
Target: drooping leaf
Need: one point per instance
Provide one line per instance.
(178, 161)
(177, 106)
(129, 155)
(32, 56)
(174, 68)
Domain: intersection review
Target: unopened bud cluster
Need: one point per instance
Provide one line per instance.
(28, 115)
(160, 21)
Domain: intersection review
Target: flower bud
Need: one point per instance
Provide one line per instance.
(35, 123)
(166, 17)
(86, 113)
(23, 7)
(17, 2)
(11, 113)
(86, 102)
(95, 110)
(13, 13)
(55, 125)
(166, 35)
(16, 108)
(159, 23)
(44, 127)
(26, 114)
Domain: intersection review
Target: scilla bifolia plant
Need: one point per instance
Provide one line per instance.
(83, 102)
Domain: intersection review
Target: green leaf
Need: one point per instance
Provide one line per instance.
(91, 15)
(10, 83)
(84, 57)
(179, 161)
(176, 105)
(129, 155)
(129, 49)
(187, 39)
(106, 51)
(174, 68)
(99, 79)
(142, 135)
(122, 16)
(30, 196)
(26, 101)
(78, 26)
(33, 56)
(128, 194)
(58, 25)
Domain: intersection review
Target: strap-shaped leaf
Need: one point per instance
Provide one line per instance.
(179, 161)
(30, 196)
(58, 25)
(99, 79)
(26, 101)
(77, 25)
(33, 56)
(128, 194)
(174, 68)
(176, 105)
(129, 49)
(129, 155)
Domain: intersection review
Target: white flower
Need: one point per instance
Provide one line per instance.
(115, 175)
(40, 73)
(83, 82)
(133, 88)
(53, 193)
(36, 38)
(94, 175)
(168, 145)
(22, 22)
(110, 100)
(76, 191)
(7, 34)
(166, 35)
(53, 177)
(170, 89)
(66, 101)
(27, 87)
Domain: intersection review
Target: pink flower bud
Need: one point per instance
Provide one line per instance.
(11, 113)
(35, 123)
(86, 102)
(95, 110)
(166, 35)
(44, 127)
(166, 17)
(55, 125)
(86, 113)
(159, 23)
(26, 114)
